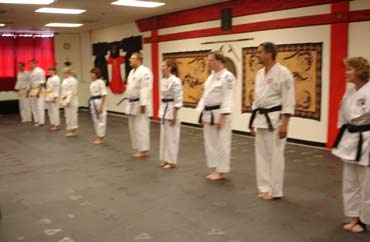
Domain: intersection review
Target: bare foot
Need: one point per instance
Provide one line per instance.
(215, 176)
(36, 125)
(349, 226)
(357, 228)
(98, 142)
(163, 164)
(262, 194)
(269, 197)
(54, 128)
(169, 166)
(70, 134)
(140, 154)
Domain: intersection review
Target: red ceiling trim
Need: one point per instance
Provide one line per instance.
(321, 19)
(212, 12)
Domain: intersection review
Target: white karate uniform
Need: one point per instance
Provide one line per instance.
(97, 91)
(171, 98)
(38, 103)
(218, 90)
(52, 93)
(69, 100)
(139, 92)
(355, 110)
(23, 85)
(272, 89)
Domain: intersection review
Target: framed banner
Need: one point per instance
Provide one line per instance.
(193, 71)
(304, 61)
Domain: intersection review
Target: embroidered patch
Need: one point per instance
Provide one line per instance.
(269, 81)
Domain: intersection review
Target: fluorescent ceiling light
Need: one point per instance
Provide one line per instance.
(67, 25)
(60, 10)
(41, 2)
(138, 3)
(2, 25)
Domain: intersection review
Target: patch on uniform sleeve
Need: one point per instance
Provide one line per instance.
(229, 83)
(146, 80)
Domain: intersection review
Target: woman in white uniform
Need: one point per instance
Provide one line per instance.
(353, 144)
(171, 101)
(97, 105)
(52, 98)
(69, 100)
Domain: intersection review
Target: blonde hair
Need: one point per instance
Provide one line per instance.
(361, 66)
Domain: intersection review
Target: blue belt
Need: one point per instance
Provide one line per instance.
(94, 105)
(166, 101)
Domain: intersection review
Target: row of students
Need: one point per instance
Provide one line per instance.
(274, 101)
(272, 108)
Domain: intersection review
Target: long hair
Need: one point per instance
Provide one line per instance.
(172, 64)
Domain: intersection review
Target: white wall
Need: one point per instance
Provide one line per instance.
(115, 33)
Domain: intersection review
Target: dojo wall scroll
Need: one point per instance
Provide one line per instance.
(304, 61)
(193, 71)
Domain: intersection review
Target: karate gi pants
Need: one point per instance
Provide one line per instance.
(217, 144)
(169, 142)
(71, 115)
(38, 109)
(25, 109)
(356, 191)
(53, 113)
(270, 161)
(100, 124)
(139, 127)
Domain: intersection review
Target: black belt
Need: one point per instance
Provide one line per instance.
(353, 129)
(264, 111)
(165, 100)
(132, 100)
(209, 108)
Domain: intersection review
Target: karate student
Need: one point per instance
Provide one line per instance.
(23, 86)
(97, 104)
(171, 101)
(139, 106)
(52, 98)
(353, 144)
(215, 106)
(274, 101)
(69, 100)
(37, 97)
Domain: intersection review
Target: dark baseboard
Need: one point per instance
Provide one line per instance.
(291, 140)
(9, 107)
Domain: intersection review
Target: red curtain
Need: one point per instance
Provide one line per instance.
(16, 49)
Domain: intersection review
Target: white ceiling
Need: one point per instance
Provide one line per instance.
(100, 14)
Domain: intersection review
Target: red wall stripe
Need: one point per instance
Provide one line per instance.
(155, 68)
(212, 12)
(338, 51)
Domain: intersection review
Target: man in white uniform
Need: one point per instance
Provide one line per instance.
(274, 101)
(139, 105)
(215, 107)
(23, 86)
(353, 144)
(37, 98)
